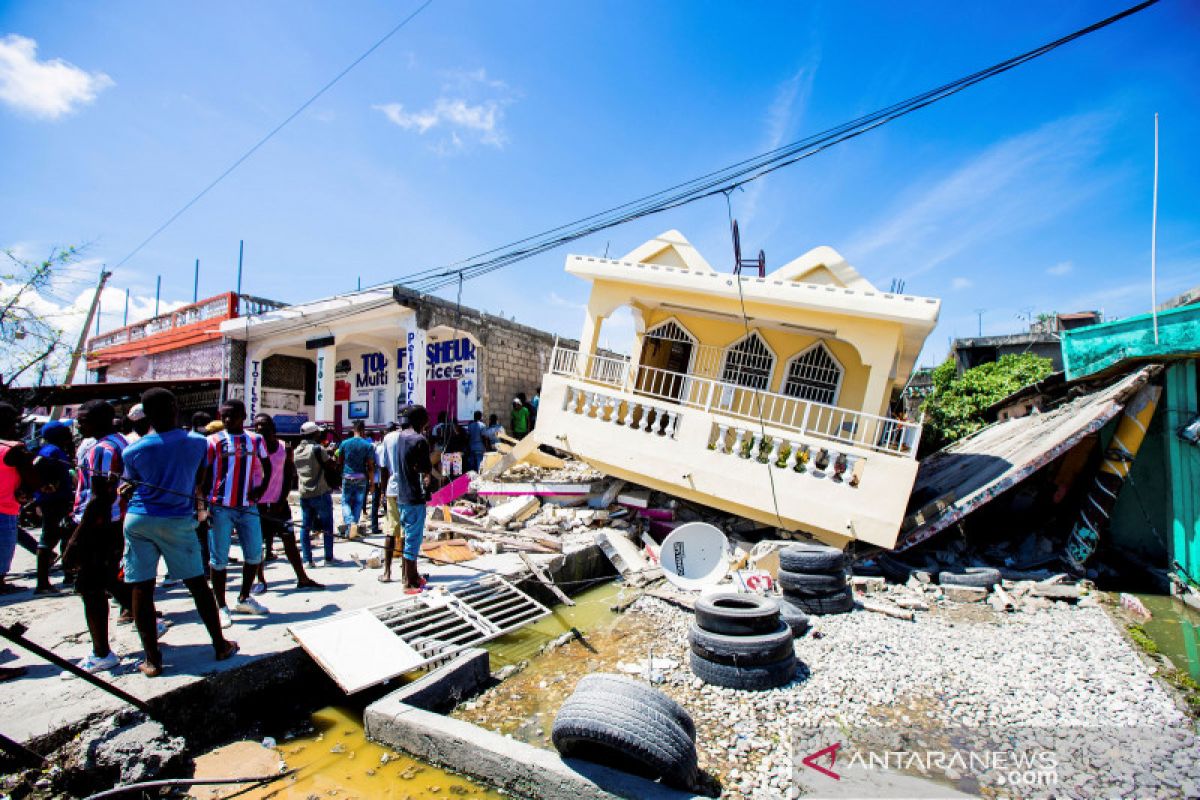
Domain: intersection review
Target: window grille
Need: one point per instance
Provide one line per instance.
(670, 331)
(814, 375)
(749, 363)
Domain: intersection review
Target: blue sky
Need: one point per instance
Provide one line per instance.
(481, 123)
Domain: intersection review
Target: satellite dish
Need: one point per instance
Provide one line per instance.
(695, 555)
(138, 367)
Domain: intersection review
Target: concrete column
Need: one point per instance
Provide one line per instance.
(326, 362)
(413, 390)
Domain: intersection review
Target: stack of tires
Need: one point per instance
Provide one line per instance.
(739, 641)
(624, 724)
(814, 579)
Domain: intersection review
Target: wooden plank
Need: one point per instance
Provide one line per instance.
(541, 575)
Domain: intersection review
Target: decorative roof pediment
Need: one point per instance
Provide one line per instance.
(823, 266)
(670, 249)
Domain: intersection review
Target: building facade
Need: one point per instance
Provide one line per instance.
(765, 397)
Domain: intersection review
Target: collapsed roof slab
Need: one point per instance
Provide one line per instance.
(974, 471)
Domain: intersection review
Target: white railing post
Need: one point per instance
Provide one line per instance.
(722, 431)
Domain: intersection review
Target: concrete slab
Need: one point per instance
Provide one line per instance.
(442, 689)
(518, 768)
(42, 703)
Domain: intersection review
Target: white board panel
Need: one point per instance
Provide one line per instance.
(356, 649)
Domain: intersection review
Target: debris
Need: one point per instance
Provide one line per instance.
(451, 491)
(887, 609)
(537, 488)
(639, 498)
(695, 555)
(545, 580)
(626, 557)
(912, 603)
(518, 509)
(868, 584)
(1056, 591)
(238, 758)
(609, 496)
(964, 594)
(450, 551)
(1134, 606)
(1004, 601)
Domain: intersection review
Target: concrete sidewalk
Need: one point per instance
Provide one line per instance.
(42, 702)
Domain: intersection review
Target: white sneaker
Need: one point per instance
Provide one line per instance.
(250, 606)
(94, 663)
(226, 620)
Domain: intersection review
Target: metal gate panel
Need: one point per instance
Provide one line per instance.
(368, 646)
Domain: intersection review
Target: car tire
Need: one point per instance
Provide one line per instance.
(811, 557)
(983, 577)
(794, 618)
(894, 570)
(742, 651)
(637, 692)
(836, 603)
(737, 614)
(634, 738)
(756, 678)
(807, 584)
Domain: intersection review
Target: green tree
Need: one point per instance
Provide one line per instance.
(29, 340)
(955, 409)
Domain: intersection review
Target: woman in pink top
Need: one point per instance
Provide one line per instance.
(275, 514)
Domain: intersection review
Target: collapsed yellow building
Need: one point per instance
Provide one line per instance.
(764, 397)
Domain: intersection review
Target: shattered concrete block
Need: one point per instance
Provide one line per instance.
(965, 594)
(911, 603)
(517, 509)
(125, 748)
(868, 584)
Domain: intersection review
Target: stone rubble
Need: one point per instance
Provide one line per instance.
(1066, 671)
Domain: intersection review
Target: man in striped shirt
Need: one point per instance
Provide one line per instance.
(94, 549)
(234, 457)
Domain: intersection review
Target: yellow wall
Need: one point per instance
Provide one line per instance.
(785, 344)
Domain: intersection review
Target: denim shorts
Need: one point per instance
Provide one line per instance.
(220, 535)
(172, 538)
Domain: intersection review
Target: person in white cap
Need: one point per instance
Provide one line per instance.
(138, 425)
(316, 497)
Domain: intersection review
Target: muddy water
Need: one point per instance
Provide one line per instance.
(1175, 629)
(336, 760)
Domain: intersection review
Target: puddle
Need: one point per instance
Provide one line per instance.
(1175, 629)
(592, 611)
(336, 761)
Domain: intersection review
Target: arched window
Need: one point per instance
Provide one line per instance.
(670, 331)
(814, 375)
(749, 363)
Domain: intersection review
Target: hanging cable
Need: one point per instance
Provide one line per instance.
(729, 177)
(270, 134)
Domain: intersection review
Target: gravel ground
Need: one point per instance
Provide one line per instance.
(1064, 675)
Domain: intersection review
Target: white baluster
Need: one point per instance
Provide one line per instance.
(739, 437)
(650, 422)
(590, 408)
(567, 397)
(612, 410)
(722, 430)
(755, 444)
(776, 449)
(628, 418)
(663, 422)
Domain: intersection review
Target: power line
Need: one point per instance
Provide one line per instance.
(272, 133)
(726, 178)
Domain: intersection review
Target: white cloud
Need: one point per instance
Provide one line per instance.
(1014, 185)
(1061, 268)
(785, 112)
(47, 89)
(961, 283)
(469, 110)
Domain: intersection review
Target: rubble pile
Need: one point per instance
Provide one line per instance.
(1065, 670)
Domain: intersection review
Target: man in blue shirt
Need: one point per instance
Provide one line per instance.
(475, 444)
(357, 457)
(163, 471)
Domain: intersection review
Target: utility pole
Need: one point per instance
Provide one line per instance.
(1154, 239)
(979, 312)
(157, 293)
(241, 251)
(56, 411)
(196, 283)
(125, 322)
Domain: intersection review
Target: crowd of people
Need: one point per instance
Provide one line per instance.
(116, 494)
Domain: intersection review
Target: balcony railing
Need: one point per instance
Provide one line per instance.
(790, 414)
